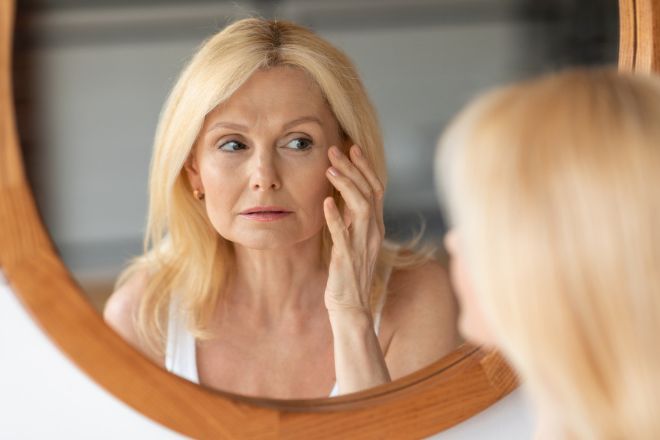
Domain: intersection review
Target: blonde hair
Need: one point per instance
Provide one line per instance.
(181, 246)
(554, 186)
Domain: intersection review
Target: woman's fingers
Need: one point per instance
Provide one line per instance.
(359, 207)
(336, 225)
(377, 188)
(361, 163)
(341, 162)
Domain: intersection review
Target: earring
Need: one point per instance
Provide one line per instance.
(198, 194)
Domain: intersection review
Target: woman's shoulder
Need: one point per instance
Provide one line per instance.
(419, 321)
(122, 306)
(422, 288)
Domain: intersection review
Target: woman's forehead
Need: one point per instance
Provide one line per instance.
(279, 94)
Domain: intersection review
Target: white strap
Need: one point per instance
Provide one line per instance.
(180, 353)
(381, 301)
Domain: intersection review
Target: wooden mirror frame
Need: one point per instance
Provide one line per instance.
(424, 403)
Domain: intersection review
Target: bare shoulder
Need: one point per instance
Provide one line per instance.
(418, 291)
(419, 318)
(121, 308)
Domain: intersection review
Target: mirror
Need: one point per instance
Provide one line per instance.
(211, 412)
(95, 83)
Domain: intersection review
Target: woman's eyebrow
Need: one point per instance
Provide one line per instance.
(300, 120)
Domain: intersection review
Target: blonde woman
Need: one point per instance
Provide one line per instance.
(553, 187)
(265, 269)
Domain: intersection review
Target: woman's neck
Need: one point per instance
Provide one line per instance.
(275, 283)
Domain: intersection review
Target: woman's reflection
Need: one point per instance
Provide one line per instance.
(265, 270)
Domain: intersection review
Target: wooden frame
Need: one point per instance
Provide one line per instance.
(426, 402)
(639, 35)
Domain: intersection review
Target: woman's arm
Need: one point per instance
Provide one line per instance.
(357, 236)
(359, 360)
(419, 320)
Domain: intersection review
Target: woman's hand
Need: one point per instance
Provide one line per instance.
(357, 233)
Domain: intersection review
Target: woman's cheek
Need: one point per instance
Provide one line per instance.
(311, 188)
(221, 188)
(308, 173)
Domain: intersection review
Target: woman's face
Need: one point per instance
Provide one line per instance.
(266, 148)
(472, 322)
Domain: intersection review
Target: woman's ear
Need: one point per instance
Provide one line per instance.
(192, 171)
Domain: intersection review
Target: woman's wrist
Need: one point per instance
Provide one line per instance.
(359, 361)
(352, 320)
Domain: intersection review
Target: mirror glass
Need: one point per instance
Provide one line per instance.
(91, 77)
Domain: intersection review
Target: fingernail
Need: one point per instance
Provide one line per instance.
(334, 151)
(358, 151)
(333, 171)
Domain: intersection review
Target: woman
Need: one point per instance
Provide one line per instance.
(265, 271)
(553, 187)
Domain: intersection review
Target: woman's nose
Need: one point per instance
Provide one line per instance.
(264, 173)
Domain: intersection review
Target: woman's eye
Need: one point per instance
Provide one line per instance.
(299, 144)
(232, 146)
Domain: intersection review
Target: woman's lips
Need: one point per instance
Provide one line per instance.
(265, 215)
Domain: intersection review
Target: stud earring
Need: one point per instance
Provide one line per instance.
(198, 194)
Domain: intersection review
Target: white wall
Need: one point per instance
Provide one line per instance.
(43, 395)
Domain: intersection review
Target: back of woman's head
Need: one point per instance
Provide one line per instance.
(554, 185)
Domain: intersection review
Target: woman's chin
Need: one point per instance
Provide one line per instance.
(257, 238)
(260, 241)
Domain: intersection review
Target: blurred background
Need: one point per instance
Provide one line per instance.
(91, 77)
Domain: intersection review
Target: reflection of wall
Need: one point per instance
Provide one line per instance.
(94, 83)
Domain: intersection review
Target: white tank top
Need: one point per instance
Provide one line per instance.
(181, 354)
